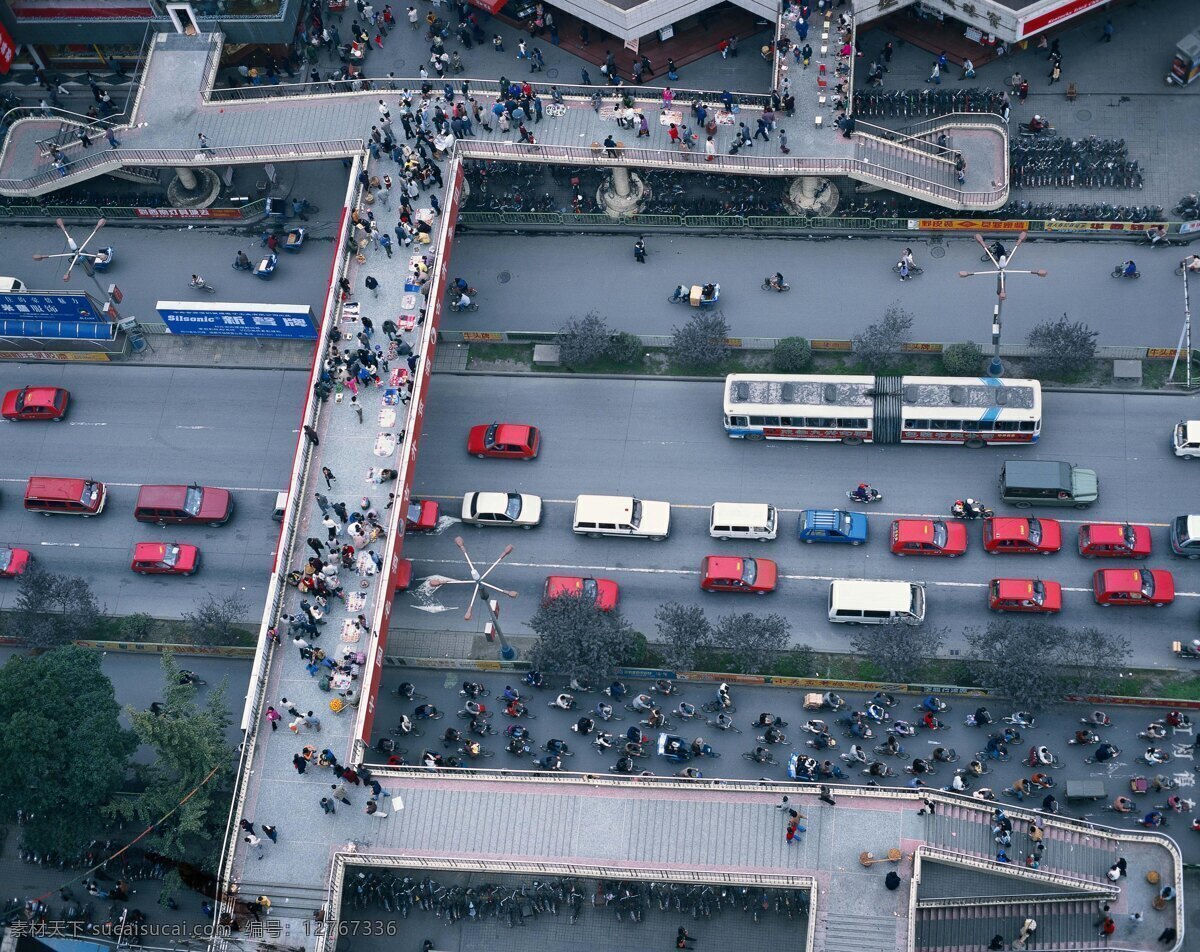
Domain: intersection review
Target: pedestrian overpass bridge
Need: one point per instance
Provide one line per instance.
(176, 99)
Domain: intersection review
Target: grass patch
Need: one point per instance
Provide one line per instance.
(480, 355)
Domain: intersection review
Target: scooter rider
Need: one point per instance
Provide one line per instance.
(863, 492)
(242, 263)
(1129, 268)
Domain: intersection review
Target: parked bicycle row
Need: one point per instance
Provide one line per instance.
(904, 103)
(518, 902)
(1079, 163)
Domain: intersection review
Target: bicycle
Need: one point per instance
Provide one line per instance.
(457, 307)
(1119, 272)
(767, 285)
(913, 270)
(199, 284)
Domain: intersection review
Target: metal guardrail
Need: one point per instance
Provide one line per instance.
(413, 84)
(957, 858)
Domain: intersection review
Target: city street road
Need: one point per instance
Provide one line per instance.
(1053, 728)
(838, 286)
(127, 426)
(146, 273)
(664, 440)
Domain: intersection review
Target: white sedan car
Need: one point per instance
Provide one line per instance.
(502, 509)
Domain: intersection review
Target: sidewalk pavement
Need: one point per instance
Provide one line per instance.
(1122, 95)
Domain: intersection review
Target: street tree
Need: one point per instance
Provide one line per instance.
(899, 655)
(577, 639)
(702, 342)
(750, 643)
(63, 752)
(791, 355)
(962, 359)
(878, 346)
(583, 340)
(626, 349)
(1062, 350)
(1036, 665)
(51, 609)
(683, 633)
(214, 621)
(186, 786)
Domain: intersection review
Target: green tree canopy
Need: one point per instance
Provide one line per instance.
(189, 744)
(63, 752)
(51, 609)
(577, 639)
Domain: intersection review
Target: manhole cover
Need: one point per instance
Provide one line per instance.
(937, 251)
(552, 73)
(1084, 115)
(504, 277)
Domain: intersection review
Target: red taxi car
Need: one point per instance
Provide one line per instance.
(604, 592)
(504, 441)
(165, 558)
(1006, 534)
(928, 537)
(1104, 540)
(723, 573)
(13, 562)
(422, 516)
(1133, 587)
(1024, 595)
(35, 403)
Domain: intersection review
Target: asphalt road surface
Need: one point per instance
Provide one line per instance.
(1053, 729)
(128, 426)
(146, 273)
(664, 440)
(838, 286)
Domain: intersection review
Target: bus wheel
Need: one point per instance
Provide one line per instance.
(755, 437)
(975, 443)
(851, 440)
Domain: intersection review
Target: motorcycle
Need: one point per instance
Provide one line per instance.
(971, 509)
(872, 495)
(1183, 650)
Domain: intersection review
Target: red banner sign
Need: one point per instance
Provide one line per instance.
(188, 213)
(8, 49)
(1064, 11)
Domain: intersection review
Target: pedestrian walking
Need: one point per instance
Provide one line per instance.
(273, 718)
(338, 792)
(356, 407)
(342, 512)
(372, 285)
(682, 938)
(255, 843)
(373, 809)
(112, 138)
(928, 807)
(639, 250)
(270, 833)
(710, 149)
(783, 146)
(329, 477)
(887, 51)
(935, 74)
(312, 722)
(826, 796)
(204, 146)
(1107, 35)
(246, 825)
(331, 527)
(311, 433)
(1055, 74)
(300, 764)
(327, 806)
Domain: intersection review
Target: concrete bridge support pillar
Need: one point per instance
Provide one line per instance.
(622, 193)
(811, 195)
(193, 187)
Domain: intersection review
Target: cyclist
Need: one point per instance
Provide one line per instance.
(463, 302)
(907, 257)
(1191, 263)
(1129, 269)
(777, 281)
(198, 282)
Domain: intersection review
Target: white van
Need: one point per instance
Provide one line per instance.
(11, 285)
(743, 520)
(622, 516)
(1186, 439)
(857, 601)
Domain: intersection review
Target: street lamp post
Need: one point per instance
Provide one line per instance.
(479, 582)
(1001, 271)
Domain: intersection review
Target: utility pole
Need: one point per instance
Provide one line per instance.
(1001, 269)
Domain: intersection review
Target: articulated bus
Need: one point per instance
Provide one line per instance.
(974, 411)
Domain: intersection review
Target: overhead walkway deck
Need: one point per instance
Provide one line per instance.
(176, 101)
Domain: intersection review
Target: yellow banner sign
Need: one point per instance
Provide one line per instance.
(482, 336)
(51, 355)
(1135, 227)
(1164, 353)
(843, 345)
(919, 348)
(970, 224)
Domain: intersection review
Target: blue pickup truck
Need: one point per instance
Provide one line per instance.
(831, 525)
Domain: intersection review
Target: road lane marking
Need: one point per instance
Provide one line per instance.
(866, 512)
(69, 545)
(109, 482)
(588, 569)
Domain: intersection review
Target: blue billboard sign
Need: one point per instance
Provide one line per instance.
(49, 306)
(238, 320)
